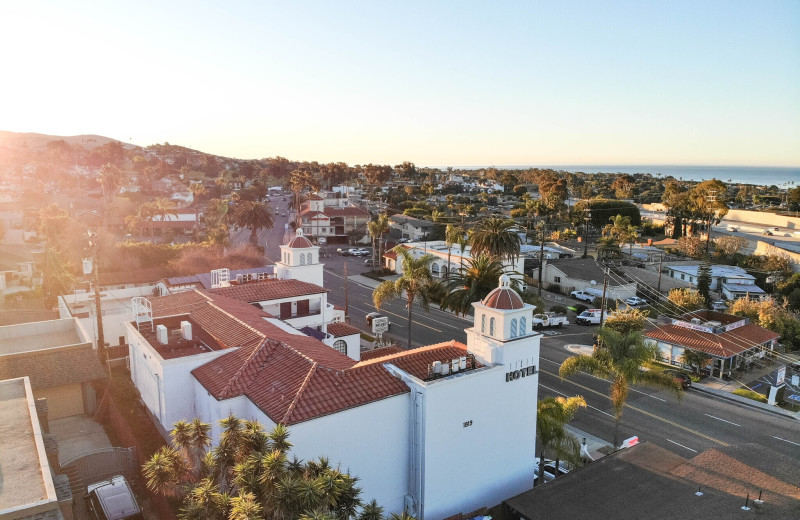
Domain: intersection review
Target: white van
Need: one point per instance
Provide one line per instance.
(322, 241)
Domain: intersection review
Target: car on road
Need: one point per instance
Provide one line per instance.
(549, 470)
(322, 241)
(359, 252)
(112, 499)
(372, 315)
(633, 301)
(767, 233)
(589, 317)
(681, 377)
(344, 252)
(369, 262)
(719, 306)
(776, 228)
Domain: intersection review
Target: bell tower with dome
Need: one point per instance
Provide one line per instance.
(300, 261)
(503, 328)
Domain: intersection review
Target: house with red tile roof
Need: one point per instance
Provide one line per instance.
(729, 341)
(402, 421)
(332, 218)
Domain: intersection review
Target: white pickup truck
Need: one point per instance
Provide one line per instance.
(549, 319)
(589, 317)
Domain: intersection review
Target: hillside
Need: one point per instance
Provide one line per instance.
(34, 141)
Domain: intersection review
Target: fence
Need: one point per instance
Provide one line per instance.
(109, 415)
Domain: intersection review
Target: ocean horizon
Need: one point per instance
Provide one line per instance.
(783, 177)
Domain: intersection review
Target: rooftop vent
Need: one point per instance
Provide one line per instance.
(186, 330)
(714, 323)
(696, 321)
(161, 334)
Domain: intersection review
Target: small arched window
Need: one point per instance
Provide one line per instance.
(483, 323)
(514, 328)
(491, 326)
(340, 345)
(523, 323)
(302, 259)
(308, 259)
(435, 270)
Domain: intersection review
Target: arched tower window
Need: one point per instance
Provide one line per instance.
(483, 323)
(523, 324)
(302, 259)
(340, 345)
(308, 259)
(491, 326)
(514, 328)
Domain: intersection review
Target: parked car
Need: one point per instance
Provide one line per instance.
(112, 499)
(372, 315)
(633, 301)
(767, 233)
(719, 306)
(684, 379)
(322, 241)
(776, 228)
(584, 295)
(549, 319)
(588, 317)
(343, 252)
(549, 470)
(369, 262)
(360, 252)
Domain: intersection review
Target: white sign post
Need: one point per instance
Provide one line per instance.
(379, 326)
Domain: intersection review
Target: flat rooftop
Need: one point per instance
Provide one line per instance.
(26, 337)
(26, 486)
(177, 346)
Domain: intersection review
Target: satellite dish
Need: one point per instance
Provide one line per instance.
(593, 282)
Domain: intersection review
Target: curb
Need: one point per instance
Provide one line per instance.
(746, 402)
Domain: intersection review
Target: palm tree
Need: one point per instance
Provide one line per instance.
(496, 237)
(110, 179)
(382, 223)
(451, 235)
(621, 230)
(619, 359)
(254, 216)
(413, 282)
(552, 414)
(164, 208)
(374, 230)
(472, 284)
(197, 189)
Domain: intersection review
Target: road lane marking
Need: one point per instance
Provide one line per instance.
(784, 440)
(384, 311)
(565, 395)
(681, 445)
(648, 395)
(723, 420)
(645, 412)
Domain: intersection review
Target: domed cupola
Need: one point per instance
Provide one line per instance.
(503, 297)
(299, 241)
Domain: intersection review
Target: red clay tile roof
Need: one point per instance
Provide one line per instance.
(53, 366)
(390, 254)
(722, 345)
(503, 298)
(380, 352)
(299, 242)
(347, 211)
(415, 362)
(342, 329)
(130, 276)
(269, 290)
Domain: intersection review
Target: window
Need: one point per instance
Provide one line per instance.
(302, 259)
(483, 323)
(557, 279)
(435, 270)
(514, 328)
(491, 327)
(340, 345)
(308, 259)
(682, 278)
(522, 326)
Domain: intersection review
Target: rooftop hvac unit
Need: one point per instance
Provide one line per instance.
(463, 362)
(186, 330)
(696, 321)
(714, 324)
(161, 334)
(445, 369)
(437, 367)
(454, 365)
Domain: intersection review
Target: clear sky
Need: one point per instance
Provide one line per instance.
(435, 83)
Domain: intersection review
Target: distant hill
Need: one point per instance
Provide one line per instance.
(33, 141)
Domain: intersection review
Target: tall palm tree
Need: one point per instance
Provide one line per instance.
(619, 359)
(254, 216)
(110, 179)
(552, 414)
(373, 228)
(382, 223)
(197, 189)
(164, 209)
(496, 237)
(451, 235)
(413, 282)
(621, 230)
(472, 284)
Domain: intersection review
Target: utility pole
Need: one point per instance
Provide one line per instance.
(346, 301)
(603, 301)
(541, 258)
(660, 264)
(711, 198)
(102, 351)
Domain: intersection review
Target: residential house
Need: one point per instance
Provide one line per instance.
(731, 281)
(429, 411)
(411, 229)
(321, 218)
(729, 341)
(570, 274)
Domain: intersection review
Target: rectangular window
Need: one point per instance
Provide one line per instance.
(682, 278)
(557, 279)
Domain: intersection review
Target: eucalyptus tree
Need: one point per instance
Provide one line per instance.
(414, 283)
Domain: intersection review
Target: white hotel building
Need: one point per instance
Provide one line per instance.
(434, 431)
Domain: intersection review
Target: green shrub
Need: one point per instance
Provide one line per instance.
(558, 309)
(579, 308)
(755, 396)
